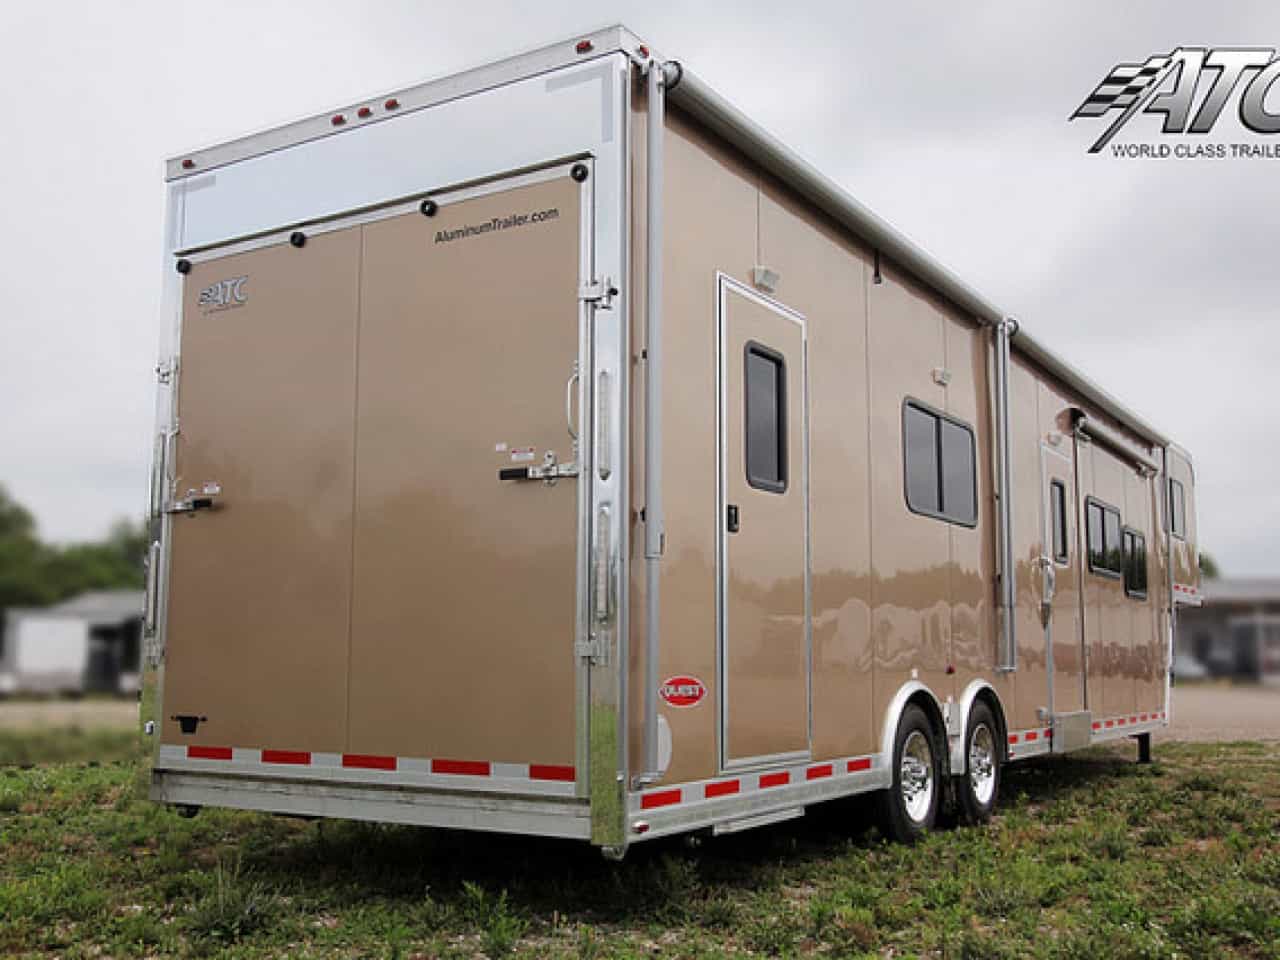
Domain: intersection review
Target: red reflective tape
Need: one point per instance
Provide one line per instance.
(1013, 738)
(721, 789)
(1133, 719)
(1111, 723)
(664, 798)
(774, 779)
(1097, 726)
(286, 756)
(1032, 735)
(549, 771)
(817, 773)
(862, 763)
(367, 761)
(474, 768)
(1142, 717)
(1048, 734)
(208, 753)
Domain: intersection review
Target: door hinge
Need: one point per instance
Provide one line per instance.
(595, 647)
(599, 292)
(164, 372)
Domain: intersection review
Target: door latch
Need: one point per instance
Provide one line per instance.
(203, 499)
(548, 473)
(599, 292)
(733, 521)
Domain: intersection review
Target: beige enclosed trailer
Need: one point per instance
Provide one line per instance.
(548, 449)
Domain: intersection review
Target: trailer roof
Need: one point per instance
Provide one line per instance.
(699, 100)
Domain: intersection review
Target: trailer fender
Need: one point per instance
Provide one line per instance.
(893, 714)
(967, 699)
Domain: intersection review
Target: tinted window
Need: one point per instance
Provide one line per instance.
(1058, 519)
(920, 430)
(1135, 564)
(1111, 522)
(1103, 535)
(941, 476)
(959, 497)
(1178, 508)
(766, 416)
(1097, 555)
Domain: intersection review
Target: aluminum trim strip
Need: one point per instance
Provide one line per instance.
(747, 782)
(438, 773)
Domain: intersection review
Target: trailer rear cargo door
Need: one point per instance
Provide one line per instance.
(463, 620)
(260, 578)
(359, 577)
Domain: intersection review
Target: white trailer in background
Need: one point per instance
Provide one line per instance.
(89, 644)
(43, 653)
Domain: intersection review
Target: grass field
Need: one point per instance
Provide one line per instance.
(1089, 857)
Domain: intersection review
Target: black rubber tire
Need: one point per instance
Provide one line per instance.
(971, 809)
(898, 824)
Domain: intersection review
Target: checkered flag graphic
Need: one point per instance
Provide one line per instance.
(1122, 87)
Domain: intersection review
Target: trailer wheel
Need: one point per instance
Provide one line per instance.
(910, 805)
(978, 788)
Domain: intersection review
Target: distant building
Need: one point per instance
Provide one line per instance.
(1235, 634)
(89, 644)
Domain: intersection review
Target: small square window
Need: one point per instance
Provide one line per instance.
(1178, 508)
(1135, 564)
(766, 419)
(1058, 519)
(1102, 533)
(939, 462)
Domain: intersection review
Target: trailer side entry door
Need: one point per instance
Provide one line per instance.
(763, 569)
(1061, 583)
(375, 576)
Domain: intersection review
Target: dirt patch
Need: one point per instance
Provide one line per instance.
(91, 714)
(1214, 712)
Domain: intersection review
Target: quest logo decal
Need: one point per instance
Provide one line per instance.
(224, 295)
(1168, 84)
(682, 691)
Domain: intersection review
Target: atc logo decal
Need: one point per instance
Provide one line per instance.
(682, 691)
(1167, 84)
(224, 295)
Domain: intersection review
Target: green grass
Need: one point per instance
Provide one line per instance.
(67, 745)
(1091, 856)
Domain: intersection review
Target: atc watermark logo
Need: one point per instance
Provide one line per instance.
(1167, 84)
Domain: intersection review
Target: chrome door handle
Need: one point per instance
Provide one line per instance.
(568, 403)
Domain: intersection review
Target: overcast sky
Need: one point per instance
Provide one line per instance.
(1157, 278)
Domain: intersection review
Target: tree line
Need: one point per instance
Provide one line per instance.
(36, 574)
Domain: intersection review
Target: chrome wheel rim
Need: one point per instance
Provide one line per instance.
(982, 764)
(915, 776)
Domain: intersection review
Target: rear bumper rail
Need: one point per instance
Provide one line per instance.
(387, 803)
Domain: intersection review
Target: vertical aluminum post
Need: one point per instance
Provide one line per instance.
(1008, 656)
(659, 76)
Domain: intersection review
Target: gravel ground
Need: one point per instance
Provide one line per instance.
(1204, 712)
(1221, 711)
(91, 714)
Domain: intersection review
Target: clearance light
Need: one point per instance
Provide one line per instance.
(643, 51)
(584, 46)
(337, 119)
(364, 112)
(392, 104)
(188, 164)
